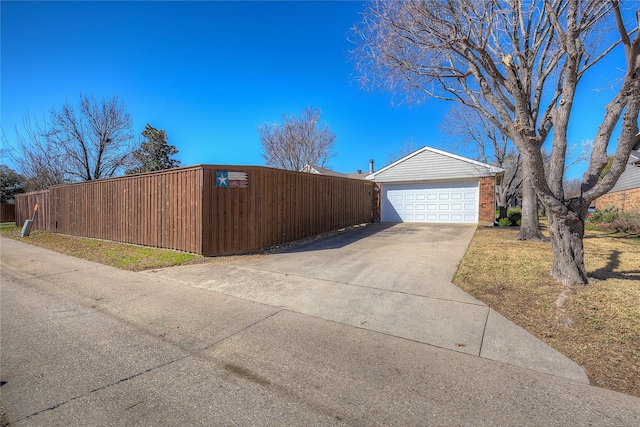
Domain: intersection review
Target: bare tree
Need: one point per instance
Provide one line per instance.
(518, 64)
(407, 148)
(473, 131)
(572, 187)
(96, 143)
(38, 158)
(297, 142)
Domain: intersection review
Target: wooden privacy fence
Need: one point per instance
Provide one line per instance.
(156, 209)
(24, 209)
(210, 210)
(7, 212)
(278, 206)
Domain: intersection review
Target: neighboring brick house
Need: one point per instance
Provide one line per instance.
(435, 186)
(625, 195)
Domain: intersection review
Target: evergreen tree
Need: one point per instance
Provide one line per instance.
(11, 183)
(154, 153)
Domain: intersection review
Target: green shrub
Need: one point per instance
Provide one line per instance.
(504, 222)
(515, 216)
(606, 215)
(609, 217)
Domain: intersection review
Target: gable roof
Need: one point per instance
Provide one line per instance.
(358, 175)
(324, 171)
(634, 157)
(429, 163)
(320, 171)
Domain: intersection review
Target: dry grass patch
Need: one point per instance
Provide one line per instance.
(599, 324)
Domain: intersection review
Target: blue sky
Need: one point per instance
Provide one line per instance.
(210, 72)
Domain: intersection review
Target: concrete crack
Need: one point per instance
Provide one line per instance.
(241, 330)
(484, 331)
(104, 387)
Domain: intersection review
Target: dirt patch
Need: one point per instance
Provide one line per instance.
(597, 326)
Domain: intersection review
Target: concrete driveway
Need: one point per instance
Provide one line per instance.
(389, 278)
(87, 344)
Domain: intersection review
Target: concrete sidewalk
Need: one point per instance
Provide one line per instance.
(86, 344)
(389, 278)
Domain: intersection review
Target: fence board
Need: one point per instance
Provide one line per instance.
(24, 209)
(7, 212)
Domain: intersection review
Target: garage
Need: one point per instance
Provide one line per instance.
(434, 186)
(435, 202)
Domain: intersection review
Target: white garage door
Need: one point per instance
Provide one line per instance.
(442, 202)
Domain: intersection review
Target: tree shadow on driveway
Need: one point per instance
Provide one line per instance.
(335, 239)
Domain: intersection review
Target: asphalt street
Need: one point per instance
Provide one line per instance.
(85, 344)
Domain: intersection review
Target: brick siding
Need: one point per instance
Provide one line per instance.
(625, 201)
(487, 208)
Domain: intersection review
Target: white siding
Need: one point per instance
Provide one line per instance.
(428, 165)
(629, 179)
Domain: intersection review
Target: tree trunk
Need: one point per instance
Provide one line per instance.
(566, 239)
(501, 201)
(502, 212)
(530, 224)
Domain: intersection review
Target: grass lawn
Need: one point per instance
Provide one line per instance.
(599, 324)
(121, 255)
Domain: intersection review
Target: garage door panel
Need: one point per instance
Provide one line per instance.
(435, 202)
